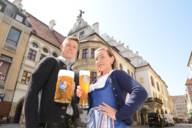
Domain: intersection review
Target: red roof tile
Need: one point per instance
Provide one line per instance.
(42, 30)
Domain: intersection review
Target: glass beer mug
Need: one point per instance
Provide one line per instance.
(64, 87)
(84, 81)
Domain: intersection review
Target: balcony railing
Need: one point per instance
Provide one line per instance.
(152, 99)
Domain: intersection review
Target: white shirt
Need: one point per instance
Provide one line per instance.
(65, 61)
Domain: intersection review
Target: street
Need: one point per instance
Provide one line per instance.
(176, 126)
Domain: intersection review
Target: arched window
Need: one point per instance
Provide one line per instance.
(34, 45)
(152, 81)
(45, 50)
(55, 54)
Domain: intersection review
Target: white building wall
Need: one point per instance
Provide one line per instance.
(143, 78)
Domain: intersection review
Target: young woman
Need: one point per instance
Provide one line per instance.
(107, 94)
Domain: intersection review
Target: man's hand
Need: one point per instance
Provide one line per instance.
(79, 91)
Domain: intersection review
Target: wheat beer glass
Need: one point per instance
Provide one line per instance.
(64, 87)
(84, 81)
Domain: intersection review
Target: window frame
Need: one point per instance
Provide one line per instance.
(152, 81)
(42, 56)
(34, 45)
(30, 55)
(9, 40)
(45, 50)
(85, 53)
(20, 15)
(3, 5)
(26, 76)
(54, 54)
(7, 60)
(93, 52)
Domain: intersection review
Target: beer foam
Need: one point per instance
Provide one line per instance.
(84, 72)
(69, 73)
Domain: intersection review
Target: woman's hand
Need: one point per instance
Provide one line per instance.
(79, 91)
(108, 110)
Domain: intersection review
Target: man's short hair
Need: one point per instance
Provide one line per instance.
(74, 38)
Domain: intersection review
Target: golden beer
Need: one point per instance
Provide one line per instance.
(64, 87)
(84, 81)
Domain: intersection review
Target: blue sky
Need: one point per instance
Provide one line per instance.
(160, 30)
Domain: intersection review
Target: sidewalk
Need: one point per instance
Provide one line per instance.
(17, 126)
(9, 126)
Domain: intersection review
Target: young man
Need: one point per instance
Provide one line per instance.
(43, 84)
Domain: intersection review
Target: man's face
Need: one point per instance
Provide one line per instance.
(69, 49)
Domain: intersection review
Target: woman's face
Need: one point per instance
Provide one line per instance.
(103, 61)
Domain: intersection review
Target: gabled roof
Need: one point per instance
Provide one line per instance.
(42, 30)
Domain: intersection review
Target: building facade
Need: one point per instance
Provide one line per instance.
(25, 41)
(14, 35)
(189, 88)
(180, 106)
(44, 41)
(127, 60)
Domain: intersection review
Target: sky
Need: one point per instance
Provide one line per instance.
(160, 30)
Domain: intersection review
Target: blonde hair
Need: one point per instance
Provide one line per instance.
(74, 38)
(109, 52)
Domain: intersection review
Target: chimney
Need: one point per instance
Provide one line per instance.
(18, 3)
(52, 23)
(96, 27)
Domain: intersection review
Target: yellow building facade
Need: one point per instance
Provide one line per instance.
(14, 36)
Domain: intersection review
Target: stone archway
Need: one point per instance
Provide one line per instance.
(18, 111)
(143, 116)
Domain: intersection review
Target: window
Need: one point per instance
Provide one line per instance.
(81, 33)
(42, 56)
(93, 76)
(25, 77)
(45, 50)
(158, 86)
(141, 79)
(5, 63)
(85, 53)
(132, 75)
(152, 81)
(13, 36)
(128, 71)
(31, 54)
(34, 45)
(2, 6)
(55, 54)
(20, 17)
(92, 52)
(120, 66)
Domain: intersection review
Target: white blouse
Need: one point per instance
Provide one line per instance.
(100, 83)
